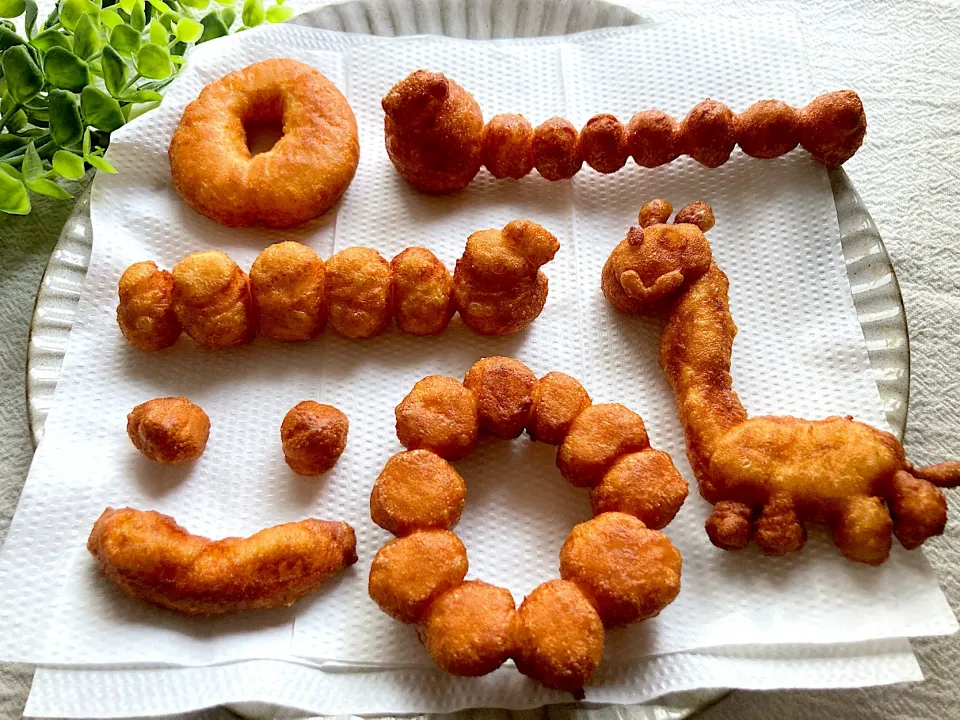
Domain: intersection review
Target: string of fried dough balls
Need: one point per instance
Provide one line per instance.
(436, 138)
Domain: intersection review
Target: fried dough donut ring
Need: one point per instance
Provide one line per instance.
(151, 558)
(145, 313)
(298, 179)
(439, 414)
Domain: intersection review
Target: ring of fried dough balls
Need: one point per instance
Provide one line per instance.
(170, 430)
(615, 569)
(296, 180)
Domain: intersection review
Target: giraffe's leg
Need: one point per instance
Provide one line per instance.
(779, 530)
(919, 509)
(730, 525)
(862, 530)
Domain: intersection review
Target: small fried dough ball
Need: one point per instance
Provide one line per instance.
(919, 509)
(211, 297)
(439, 414)
(559, 636)
(507, 146)
(422, 292)
(653, 138)
(696, 213)
(145, 312)
(655, 212)
(603, 143)
(417, 490)
(410, 572)
(287, 282)
(730, 525)
(169, 430)
(629, 571)
(644, 484)
(313, 437)
(469, 630)
(597, 437)
(504, 391)
(768, 129)
(359, 291)
(555, 149)
(832, 127)
(707, 133)
(557, 400)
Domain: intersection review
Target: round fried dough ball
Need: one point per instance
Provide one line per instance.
(644, 484)
(832, 127)
(504, 389)
(768, 129)
(696, 213)
(417, 490)
(469, 630)
(653, 138)
(557, 400)
(559, 636)
(145, 313)
(507, 146)
(707, 133)
(919, 509)
(287, 282)
(439, 414)
(422, 292)
(630, 572)
(410, 572)
(359, 291)
(555, 149)
(211, 297)
(603, 143)
(655, 212)
(313, 437)
(597, 437)
(169, 430)
(500, 312)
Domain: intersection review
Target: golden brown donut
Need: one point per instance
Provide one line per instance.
(212, 299)
(555, 149)
(423, 301)
(603, 143)
(598, 436)
(408, 573)
(170, 430)
(653, 138)
(644, 484)
(507, 146)
(298, 179)
(708, 133)
(469, 630)
(359, 289)
(151, 558)
(504, 389)
(313, 437)
(417, 490)
(768, 129)
(439, 414)
(557, 400)
(145, 312)
(287, 283)
(832, 127)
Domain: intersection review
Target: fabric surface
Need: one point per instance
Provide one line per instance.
(902, 57)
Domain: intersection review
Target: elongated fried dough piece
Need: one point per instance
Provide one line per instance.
(151, 558)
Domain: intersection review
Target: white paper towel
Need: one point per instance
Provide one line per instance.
(800, 351)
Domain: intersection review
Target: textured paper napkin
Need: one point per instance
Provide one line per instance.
(799, 351)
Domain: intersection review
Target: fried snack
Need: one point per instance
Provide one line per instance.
(439, 414)
(170, 430)
(766, 476)
(603, 144)
(423, 300)
(287, 284)
(559, 637)
(832, 127)
(768, 129)
(498, 286)
(653, 138)
(469, 630)
(410, 572)
(557, 400)
(151, 558)
(629, 571)
(313, 437)
(598, 436)
(145, 312)
(433, 130)
(504, 391)
(417, 490)
(555, 152)
(707, 133)
(654, 212)
(211, 297)
(359, 291)
(644, 484)
(507, 146)
(298, 179)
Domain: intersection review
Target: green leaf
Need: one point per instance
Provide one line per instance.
(169, 20)
(17, 122)
(86, 38)
(72, 10)
(100, 110)
(66, 127)
(86, 141)
(49, 188)
(213, 28)
(100, 164)
(279, 13)
(11, 171)
(252, 13)
(8, 38)
(114, 71)
(110, 18)
(159, 6)
(158, 33)
(52, 19)
(24, 79)
(13, 195)
(229, 16)
(127, 6)
(50, 39)
(188, 30)
(196, 4)
(32, 164)
(141, 96)
(65, 70)
(30, 18)
(12, 8)
(153, 62)
(9, 143)
(68, 165)
(138, 16)
(125, 40)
